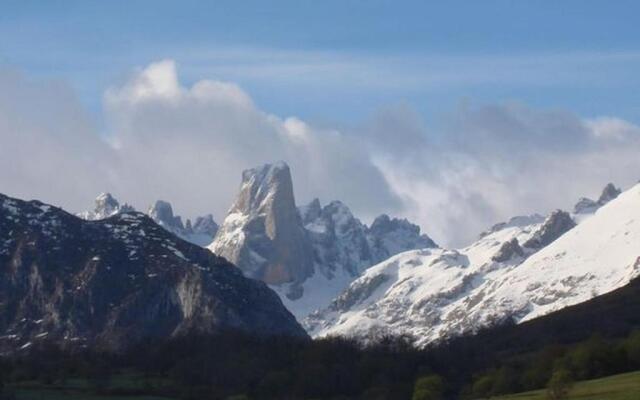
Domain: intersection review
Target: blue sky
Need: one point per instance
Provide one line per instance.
(337, 61)
(456, 115)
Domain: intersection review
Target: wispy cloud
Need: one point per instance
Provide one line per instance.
(187, 142)
(411, 72)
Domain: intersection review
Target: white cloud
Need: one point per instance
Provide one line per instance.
(188, 144)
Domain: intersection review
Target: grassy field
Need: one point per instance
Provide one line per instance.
(79, 389)
(617, 387)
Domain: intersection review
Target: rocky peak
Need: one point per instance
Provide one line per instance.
(106, 203)
(588, 206)
(201, 232)
(585, 206)
(388, 236)
(311, 211)
(508, 251)
(105, 206)
(556, 224)
(262, 188)
(162, 212)
(205, 225)
(263, 233)
(609, 193)
(338, 238)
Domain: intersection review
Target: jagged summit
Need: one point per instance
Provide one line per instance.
(609, 193)
(307, 254)
(204, 225)
(105, 206)
(262, 233)
(388, 236)
(261, 182)
(200, 233)
(556, 224)
(162, 212)
(588, 206)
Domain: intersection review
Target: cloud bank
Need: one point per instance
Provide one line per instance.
(188, 144)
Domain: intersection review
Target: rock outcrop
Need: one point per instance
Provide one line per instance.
(201, 232)
(587, 206)
(105, 206)
(262, 233)
(556, 224)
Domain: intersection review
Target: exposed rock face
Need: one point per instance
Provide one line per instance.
(588, 206)
(339, 240)
(205, 226)
(263, 233)
(308, 255)
(388, 237)
(585, 206)
(105, 206)
(342, 242)
(114, 281)
(200, 233)
(162, 213)
(508, 251)
(609, 193)
(553, 227)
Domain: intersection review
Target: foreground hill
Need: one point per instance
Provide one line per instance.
(114, 281)
(517, 271)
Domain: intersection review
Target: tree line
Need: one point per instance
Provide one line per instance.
(239, 366)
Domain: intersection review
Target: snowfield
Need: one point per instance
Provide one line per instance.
(435, 293)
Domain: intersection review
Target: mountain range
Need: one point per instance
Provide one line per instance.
(307, 254)
(201, 232)
(113, 273)
(519, 270)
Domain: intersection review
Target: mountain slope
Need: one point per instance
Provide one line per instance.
(309, 254)
(113, 281)
(433, 294)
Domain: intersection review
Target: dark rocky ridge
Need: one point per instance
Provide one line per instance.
(112, 282)
(586, 206)
(557, 224)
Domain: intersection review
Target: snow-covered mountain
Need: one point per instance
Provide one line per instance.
(308, 255)
(518, 270)
(201, 232)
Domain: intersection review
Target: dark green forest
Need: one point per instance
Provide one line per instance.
(593, 339)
